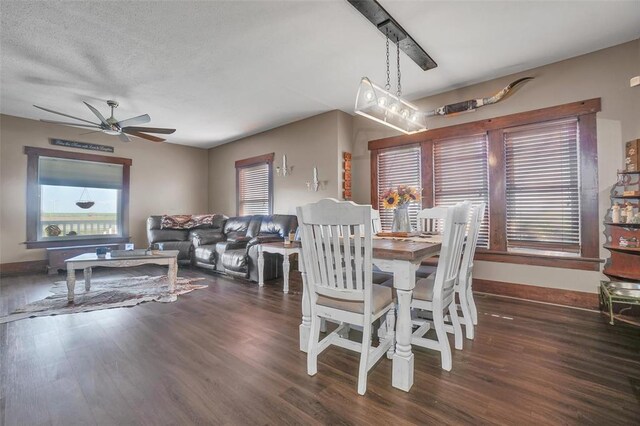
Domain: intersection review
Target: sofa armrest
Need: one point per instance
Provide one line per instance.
(261, 239)
(205, 237)
(237, 243)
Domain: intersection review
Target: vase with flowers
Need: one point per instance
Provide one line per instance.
(399, 199)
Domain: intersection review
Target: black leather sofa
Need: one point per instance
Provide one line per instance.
(229, 245)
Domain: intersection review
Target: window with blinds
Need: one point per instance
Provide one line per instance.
(460, 173)
(542, 187)
(398, 166)
(254, 190)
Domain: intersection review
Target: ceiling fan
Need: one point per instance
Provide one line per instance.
(111, 126)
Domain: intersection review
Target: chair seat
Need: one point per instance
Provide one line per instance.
(424, 288)
(381, 298)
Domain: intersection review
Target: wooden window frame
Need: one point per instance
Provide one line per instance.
(585, 111)
(250, 162)
(33, 204)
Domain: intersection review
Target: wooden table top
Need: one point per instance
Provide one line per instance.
(404, 250)
(389, 249)
(281, 244)
(167, 254)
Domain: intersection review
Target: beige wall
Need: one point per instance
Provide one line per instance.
(603, 74)
(165, 178)
(307, 143)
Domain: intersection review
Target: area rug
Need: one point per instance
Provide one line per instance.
(105, 294)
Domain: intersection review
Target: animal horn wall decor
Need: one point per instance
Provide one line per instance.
(473, 104)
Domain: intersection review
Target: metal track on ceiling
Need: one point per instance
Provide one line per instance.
(384, 22)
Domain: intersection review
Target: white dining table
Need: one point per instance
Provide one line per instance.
(402, 258)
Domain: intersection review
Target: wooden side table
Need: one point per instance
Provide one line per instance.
(286, 250)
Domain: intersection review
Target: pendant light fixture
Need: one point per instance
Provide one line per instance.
(378, 104)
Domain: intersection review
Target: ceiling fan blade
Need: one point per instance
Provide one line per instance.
(97, 113)
(143, 135)
(88, 133)
(66, 115)
(123, 137)
(151, 130)
(141, 119)
(95, 126)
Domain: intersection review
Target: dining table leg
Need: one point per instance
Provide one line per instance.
(404, 277)
(305, 326)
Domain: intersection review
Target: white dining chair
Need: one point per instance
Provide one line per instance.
(339, 270)
(465, 277)
(431, 220)
(436, 293)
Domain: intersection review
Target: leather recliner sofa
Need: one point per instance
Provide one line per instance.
(232, 248)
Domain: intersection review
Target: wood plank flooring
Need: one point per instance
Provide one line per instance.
(229, 355)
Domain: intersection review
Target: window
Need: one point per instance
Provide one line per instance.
(76, 198)
(542, 187)
(460, 173)
(398, 166)
(536, 170)
(254, 182)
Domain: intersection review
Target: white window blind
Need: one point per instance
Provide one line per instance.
(542, 187)
(460, 173)
(399, 166)
(254, 190)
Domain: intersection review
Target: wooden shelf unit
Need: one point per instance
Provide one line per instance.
(624, 262)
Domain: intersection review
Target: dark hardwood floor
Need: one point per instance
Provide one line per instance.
(229, 355)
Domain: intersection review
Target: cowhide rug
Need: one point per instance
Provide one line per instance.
(105, 294)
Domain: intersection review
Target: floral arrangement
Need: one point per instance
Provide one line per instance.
(396, 197)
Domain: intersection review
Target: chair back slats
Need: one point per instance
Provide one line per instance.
(431, 220)
(475, 221)
(337, 247)
(451, 252)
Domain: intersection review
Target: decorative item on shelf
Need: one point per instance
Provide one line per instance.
(627, 213)
(615, 213)
(631, 193)
(315, 184)
(52, 231)
(72, 233)
(285, 169)
(85, 201)
(399, 199)
(632, 157)
(628, 242)
(346, 183)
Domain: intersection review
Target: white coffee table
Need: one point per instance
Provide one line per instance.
(285, 250)
(88, 260)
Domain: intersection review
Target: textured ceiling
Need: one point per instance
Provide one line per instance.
(218, 71)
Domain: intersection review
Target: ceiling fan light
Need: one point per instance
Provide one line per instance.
(388, 109)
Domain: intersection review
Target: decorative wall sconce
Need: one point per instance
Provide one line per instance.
(285, 170)
(315, 184)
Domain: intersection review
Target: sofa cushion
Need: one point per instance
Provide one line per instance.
(183, 247)
(205, 254)
(278, 224)
(236, 227)
(203, 237)
(235, 260)
(166, 235)
(381, 298)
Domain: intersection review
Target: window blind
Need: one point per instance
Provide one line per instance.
(398, 166)
(460, 173)
(254, 190)
(542, 187)
(89, 174)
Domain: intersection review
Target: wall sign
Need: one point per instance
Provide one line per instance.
(346, 183)
(81, 145)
